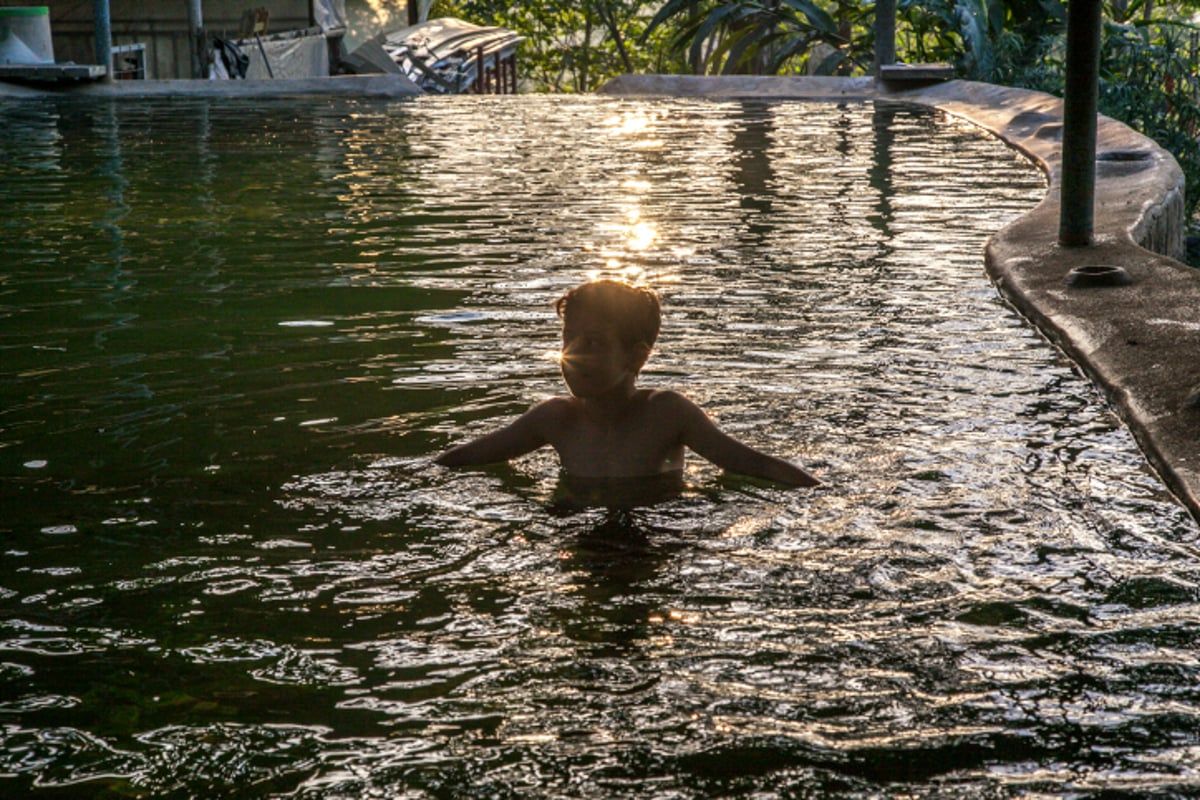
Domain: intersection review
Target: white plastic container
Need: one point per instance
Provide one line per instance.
(25, 35)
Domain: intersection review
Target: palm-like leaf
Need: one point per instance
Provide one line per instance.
(732, 35)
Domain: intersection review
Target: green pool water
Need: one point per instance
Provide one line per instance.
(232, 335)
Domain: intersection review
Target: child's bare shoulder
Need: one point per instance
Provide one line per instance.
(669, 403)
(554, 407)
(553, 413)
(666, 397)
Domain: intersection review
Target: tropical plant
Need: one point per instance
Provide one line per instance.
(983, 39)
(572, 46)
(768, 36)
(1149, 80)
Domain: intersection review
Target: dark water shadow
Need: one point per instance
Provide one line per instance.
(615, 549)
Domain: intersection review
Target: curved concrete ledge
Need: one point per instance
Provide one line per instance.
(379, 86)
(1140, 341)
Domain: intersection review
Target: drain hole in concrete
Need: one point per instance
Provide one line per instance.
(1093, 275)
(1124, 155)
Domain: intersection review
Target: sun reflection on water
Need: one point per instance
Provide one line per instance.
(991, 584)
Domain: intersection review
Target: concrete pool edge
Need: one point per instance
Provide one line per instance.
(359, 86)
(1139, 342)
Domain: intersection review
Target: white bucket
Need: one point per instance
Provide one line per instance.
(25, 35)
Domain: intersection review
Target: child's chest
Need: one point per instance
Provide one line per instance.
(635, 445)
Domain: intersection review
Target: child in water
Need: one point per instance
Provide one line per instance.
(609, 428)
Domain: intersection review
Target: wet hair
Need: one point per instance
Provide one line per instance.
(633, 311)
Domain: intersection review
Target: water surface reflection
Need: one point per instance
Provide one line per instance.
(232, 335)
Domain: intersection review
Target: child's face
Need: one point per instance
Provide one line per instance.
(595, 361)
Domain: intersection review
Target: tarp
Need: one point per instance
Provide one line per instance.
(295, 54)
(330, 16)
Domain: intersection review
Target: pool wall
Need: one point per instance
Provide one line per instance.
(1139, 342)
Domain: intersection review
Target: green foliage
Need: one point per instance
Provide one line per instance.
(769, 36)
(1148, 80)
(573, 46)
(983, 39)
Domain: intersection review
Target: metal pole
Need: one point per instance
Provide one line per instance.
(885, 34)
(103, 25)
(1080, 96)
(198, 47)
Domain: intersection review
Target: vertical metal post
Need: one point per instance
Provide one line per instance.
(103, 28)
(1080, 97)
(885, 34)
(197, 44)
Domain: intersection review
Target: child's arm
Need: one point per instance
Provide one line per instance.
(706, 439)
(521, 436)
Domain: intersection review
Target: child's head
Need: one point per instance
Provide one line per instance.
(608, 330)
(632, 312)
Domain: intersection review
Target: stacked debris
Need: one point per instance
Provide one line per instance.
(444, 56)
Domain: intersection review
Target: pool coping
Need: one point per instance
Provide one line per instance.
(1139, 342)
(360, 86)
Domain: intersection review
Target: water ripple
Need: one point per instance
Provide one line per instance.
(231, 341)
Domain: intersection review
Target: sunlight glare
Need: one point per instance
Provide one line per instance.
(381, 11)
(642, 235)
(635, 274)
(630, 122)
(637, 125)
(630, 274)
